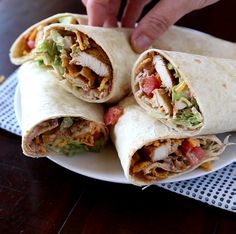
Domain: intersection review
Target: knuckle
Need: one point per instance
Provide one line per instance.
(202, 3)
(157, 25)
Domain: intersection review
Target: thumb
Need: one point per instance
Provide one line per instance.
(157, 21)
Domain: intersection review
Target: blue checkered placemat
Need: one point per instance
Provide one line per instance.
(217, 188)
(7, 114)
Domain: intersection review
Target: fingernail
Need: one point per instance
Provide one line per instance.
(141, 43)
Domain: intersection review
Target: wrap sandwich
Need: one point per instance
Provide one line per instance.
(54, 121)
(92, 63)
(191, 41)
(22, 49)
(187, 92)
(150, 151)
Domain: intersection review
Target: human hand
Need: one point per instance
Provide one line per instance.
(151, 26)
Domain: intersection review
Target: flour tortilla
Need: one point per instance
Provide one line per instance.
(212, 81)
(16, 51)
(135, 129)
(115, 43)
(191, 41)
(42, 99)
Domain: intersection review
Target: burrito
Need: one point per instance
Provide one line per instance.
(187, 92)
(92, 63)
(54, 121)
(150, 151)
(22, 49)
(191, 41)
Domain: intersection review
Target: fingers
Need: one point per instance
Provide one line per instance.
(102, 12)
(157, 21)
(84, 2)
(132, 12)
(164, 14)
(201, 3)
(95, 9)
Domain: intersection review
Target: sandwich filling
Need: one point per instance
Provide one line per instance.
(67, 135)
(159, 85)
(30, 41)
(163, 158)
(79, 61)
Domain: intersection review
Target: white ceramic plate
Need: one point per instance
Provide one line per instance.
(106, 165)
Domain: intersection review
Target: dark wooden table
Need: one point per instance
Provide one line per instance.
(38, 196)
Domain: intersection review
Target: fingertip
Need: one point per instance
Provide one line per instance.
(140, 42)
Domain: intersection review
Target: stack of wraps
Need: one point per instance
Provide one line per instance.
(52, 120)
(179, 98)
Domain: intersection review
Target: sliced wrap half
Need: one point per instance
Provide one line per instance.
(22, 49)
(187, 92)
(149, 151)
(53, 121)
(92, 63)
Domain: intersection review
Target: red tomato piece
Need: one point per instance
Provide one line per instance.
(193, 160)
(96, 135)
(150, 83)
(198, 152)
(31, 44)
(112, 115)
(186, 147)
(195, 155)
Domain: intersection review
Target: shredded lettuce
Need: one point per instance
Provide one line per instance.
(58, 39)
(49, 53)
(175, 96)
(180, 91)
(188, 118)
(46, 50)
(69, 149)
(67, 20)
(73, 148)
(171, 67)
(57, 65)
(98, 145)
(66, 123)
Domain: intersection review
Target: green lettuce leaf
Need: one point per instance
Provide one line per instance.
(58, 39)
(171, 67)
(49, 53)
(175, 96)
(46, 50)
(73, 149)
(98, 145)
(67, 20)
(189, 118)
(66, 123)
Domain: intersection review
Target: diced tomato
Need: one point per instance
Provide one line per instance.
(186, 147)
(96, 135)
(198, 152)
(150, 83)
(193, 160)
(112, 115)
(195, 155)
(31, 44)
